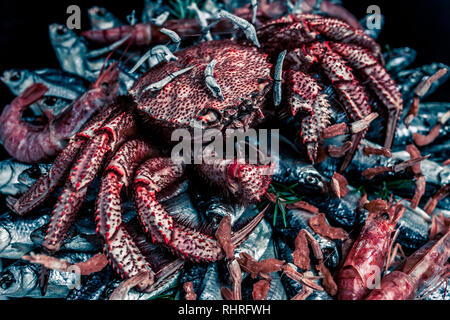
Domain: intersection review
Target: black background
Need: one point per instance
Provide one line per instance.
(421, 24)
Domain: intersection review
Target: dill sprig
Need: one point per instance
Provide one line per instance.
(285, 195)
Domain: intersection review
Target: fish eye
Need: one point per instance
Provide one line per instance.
(311, 179)
(385, 216)
(61, 31)
(100, 13)
(50, 101)
(15, 76)
(6, 280)
(34, 172)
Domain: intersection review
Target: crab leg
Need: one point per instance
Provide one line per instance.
(380, 81)
(153, 176)
(348, 88)
(121, 250)
(107, 139)
(158, 174)
(340, 31)
(47, 183)
(306, 96)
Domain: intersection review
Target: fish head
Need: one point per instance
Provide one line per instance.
(61, 36)
(17, 280)
(17, 80)
(309, 179)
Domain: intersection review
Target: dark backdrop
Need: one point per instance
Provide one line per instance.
(421, 24)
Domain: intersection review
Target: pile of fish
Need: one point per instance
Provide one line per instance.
(309, 204)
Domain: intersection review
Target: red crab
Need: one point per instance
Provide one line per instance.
(128, 134)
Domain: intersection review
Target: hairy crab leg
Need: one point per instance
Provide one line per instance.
(380, 81)
(153, 176)
(305, 95)
(107, 139)
(121, 250)
(340, 31)
(47, 183)
(158, 174)
(348, 88)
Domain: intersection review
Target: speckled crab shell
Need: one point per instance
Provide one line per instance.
(242, 72)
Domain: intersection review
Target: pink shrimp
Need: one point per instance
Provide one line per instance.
(421, 270)
(29, 143)
(369, 252)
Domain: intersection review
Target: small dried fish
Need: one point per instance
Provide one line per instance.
(248, 29)
(201, 16)
(162, 83)
(174, 37)
(211, 81)
(399, 58)
(155, 56)
(278, 78)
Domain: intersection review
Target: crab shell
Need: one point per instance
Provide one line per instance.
(242, 72)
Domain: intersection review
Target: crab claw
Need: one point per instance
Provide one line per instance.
(247, 182)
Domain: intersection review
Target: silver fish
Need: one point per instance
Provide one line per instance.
(408, 80)
(21, 279)
(161, 19)
(15, 232)
(174, 37)
(162, 287)
(59, 83)
(92, 286)
(257, 242)
(211, 82)
(75, 58)
(399, 58)
(101, 18)
(70, 51)
(163, 82)
(17, 177)
(74, 241)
